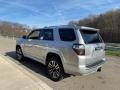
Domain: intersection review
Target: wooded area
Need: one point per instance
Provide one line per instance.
(108, 23)
(13, 29)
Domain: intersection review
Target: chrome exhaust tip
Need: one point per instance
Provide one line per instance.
(99, 69)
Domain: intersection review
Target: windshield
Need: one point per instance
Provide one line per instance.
(90, 36)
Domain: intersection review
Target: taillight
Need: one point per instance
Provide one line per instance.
(79, 49)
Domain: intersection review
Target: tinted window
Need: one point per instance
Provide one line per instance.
(47, 34)
(34, 35)
(90, 36)
(67, 34)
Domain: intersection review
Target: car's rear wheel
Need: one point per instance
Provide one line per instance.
(19, 54)
(55, 69)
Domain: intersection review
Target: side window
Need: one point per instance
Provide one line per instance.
(47, 34)
(34, 35)
(67, 34)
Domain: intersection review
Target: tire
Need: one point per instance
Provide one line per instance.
(55, 69)
(19, 54)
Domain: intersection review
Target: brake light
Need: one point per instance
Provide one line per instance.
(79, 49)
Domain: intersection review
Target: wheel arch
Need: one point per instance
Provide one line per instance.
(18, 46)
(50, 54)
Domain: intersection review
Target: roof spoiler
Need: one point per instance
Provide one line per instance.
(89, 28)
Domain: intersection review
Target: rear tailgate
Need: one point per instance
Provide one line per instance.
(94, 53)
(94, 46)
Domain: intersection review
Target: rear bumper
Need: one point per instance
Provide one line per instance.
(85, 70)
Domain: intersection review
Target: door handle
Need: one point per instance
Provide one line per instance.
(29, 40)
(98, 48)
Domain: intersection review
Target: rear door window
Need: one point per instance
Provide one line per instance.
(47, 34)
(90, 36)
(67, 34)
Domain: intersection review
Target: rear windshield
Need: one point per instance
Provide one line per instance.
(90, 36)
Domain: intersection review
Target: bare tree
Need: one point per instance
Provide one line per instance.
(13, 29)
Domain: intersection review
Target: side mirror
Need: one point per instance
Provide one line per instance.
(24, 37)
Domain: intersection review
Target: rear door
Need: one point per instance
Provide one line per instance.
(94, 46)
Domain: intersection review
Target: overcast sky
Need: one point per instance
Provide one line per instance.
(52, 12)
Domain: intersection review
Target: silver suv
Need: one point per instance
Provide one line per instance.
(64, 49)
